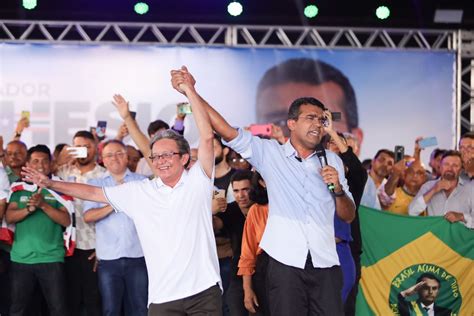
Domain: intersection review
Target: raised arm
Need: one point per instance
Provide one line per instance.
(78, 190)
(218, 123)
(184, 82)
(137, 135)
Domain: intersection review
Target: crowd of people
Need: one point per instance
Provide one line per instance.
(241, 225)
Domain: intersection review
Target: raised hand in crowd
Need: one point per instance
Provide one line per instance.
(328, 129)
(137, 135)
(22, 123)
(122, 132)
(277, 134)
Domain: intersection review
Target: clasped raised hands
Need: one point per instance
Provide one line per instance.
(182, 81)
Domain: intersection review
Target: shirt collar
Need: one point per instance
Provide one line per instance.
(291, 151)
(431, 306)
(182, 180)
(126, 175)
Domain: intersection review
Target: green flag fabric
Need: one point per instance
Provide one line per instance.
(402, 251)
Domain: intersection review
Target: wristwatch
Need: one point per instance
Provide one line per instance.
(337, 194)
(17, 134)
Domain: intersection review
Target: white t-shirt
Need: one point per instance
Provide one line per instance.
(174, 226)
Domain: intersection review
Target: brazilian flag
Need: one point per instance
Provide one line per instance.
(413, 264)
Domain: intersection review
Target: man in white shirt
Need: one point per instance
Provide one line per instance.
(172, 214)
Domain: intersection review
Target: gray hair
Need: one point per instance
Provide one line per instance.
(183, 145)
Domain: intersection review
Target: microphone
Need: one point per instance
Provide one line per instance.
(298, 158)
(321, 153)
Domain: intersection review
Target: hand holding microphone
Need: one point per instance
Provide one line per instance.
(329, 174)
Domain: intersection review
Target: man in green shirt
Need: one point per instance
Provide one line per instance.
(37, 253)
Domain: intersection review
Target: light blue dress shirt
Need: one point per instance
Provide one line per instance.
(301, 208)
(116, 236)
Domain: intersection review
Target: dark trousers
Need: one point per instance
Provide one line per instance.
(224, 268)
(49, 276)
(235, 297)
(205, 303)
(82, 284)
(123, 282)
(309, 291)
(4, 282)
(259, 284)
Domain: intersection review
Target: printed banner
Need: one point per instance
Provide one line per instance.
(400, 252)
(386, 98)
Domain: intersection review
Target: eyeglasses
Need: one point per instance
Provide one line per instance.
(166, 156)
(315, 118)
(118, 154)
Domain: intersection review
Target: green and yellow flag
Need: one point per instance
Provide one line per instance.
(402, 251)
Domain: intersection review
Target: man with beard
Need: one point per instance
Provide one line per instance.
(449, 195)
(82, 283)
(232, 220)
(381, 168)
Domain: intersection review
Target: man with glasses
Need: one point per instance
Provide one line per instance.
(172, 214)
(123, 280)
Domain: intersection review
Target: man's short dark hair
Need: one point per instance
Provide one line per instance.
(437, 152)
(384, 151)
(181, 142)
(84, 134)
(258, 193)
(313, 72)
(113, 141)
(428, 276)
(451, 153)
(38, 149)
(294, 110)
(157, 125)
(469, 135)
(241, 175)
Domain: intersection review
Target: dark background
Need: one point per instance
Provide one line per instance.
(404, 13)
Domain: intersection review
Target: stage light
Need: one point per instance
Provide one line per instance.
(141, 8)
(311, 11)
(382, 12)
(29, 4)
(235, 8)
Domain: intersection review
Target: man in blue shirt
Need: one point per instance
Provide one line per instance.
(303, 274)
(122, 273)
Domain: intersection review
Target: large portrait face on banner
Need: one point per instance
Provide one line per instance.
(385, 98)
